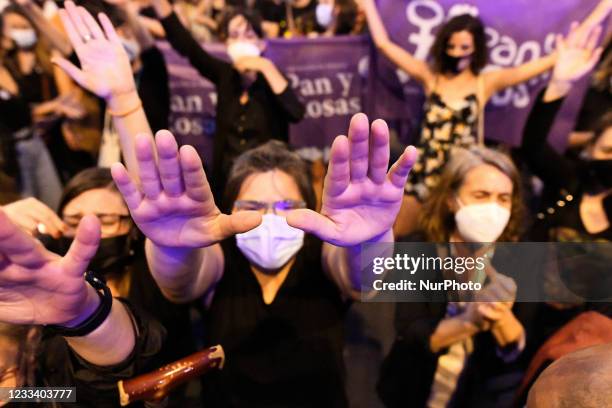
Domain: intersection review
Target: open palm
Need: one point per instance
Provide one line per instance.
(173, 204)
(37, 286)
(105, 66)
(360, 198)
(577, 54)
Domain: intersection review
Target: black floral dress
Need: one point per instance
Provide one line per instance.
(443, 127)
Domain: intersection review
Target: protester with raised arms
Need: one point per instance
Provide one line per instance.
(457, 91)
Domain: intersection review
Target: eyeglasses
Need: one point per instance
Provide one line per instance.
(110, 223)
(277, 207)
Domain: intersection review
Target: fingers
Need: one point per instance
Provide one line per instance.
(90, 24)
(83, 247)
(150, 182)
(194, 177)
(47, 217)
(70, 69)
(235, 223)
(73, 35)
(592, 38)
(358, 135)
(77, 21)
(168, 163)
(338, 174)
(398, 174)
(126, 186)
(109, 30)
(313, 223)
(19, 247)
(379, 152)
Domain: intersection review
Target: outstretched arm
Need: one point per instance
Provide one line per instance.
(39, 287)
(360, 202)
(498, 80)
(175, 209)
(106, 71)
(404, 60)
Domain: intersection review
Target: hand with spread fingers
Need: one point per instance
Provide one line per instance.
(40, 287)
(173, 204)
(361, 198)
(105, 66)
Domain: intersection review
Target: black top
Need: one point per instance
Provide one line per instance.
(407, 374)
(305, 18)
(566, 180)
(60, 366)
(240, 127)
(153, 88)
(285, 354)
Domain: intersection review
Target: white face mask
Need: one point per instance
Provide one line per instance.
(240, 49)
(272, 244)
(324, 14)
(481, 222)
(132, 48)
(23, 37)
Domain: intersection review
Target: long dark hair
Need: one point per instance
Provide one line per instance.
(88, 179)
(464, 22)
(27, 339)
(273, 155)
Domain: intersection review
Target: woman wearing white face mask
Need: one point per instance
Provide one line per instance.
(276, 295)
(458, 349)
(255, 101)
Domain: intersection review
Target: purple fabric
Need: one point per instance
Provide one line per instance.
(331, 77)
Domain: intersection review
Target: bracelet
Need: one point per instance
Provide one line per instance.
(96, 319)
(125, 112)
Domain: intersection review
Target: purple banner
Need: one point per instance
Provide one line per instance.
(518, 31)
(337, 77)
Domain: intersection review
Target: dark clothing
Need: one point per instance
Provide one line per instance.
(153, 88)
(60, 366)
(305, 18)
(285, 354)
(566, 180)
(239, 127)
(407, 374)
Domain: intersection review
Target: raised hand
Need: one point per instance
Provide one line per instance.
(173, 205)
(105, 66)
(39, 287)
(577, 54)
(34, 216)
(360, 198)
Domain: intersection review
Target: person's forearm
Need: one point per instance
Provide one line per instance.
(451, 330)
(163, 8)
(375, 24)
(275, 79)
(142, 34)
(556, 90)
(112, 342)
(55, 37)
(129, 120)
(597, 16)
(507, 77)
(184, 274)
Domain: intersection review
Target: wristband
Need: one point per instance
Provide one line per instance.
(96, 319)
(125, 112)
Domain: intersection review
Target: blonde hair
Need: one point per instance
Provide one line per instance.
(436, 219)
